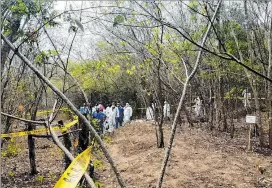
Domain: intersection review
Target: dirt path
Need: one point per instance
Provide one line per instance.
(198, 159)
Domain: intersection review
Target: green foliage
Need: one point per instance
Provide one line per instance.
(52, 176)
(11, 174)
(98, 184)
(107, 139)
(98, 164)
(40, 179)
(118, 19)
(95, 123)
(193, 4)
(19, 7)
(12, 149)
(166, 36)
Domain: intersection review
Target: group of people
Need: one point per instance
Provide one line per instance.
(150, 111)
(110, 118)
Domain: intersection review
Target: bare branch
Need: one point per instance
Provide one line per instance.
(24, 120)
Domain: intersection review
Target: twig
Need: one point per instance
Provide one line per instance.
(24, 120)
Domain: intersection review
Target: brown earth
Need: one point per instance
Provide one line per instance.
(199, 158)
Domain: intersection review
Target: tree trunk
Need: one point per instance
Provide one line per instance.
(5, 48)
(211, 107)
(223, 114)
(83, 140)
(67, 143)
(160, 140)
(217, 105)
(269, 87)
(31, 147)
(181, 102)
(249, 76)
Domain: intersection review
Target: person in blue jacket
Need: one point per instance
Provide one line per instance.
(84, 110)
(120, 116)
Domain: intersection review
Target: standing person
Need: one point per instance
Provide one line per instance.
(166, 110)
(101, 117)
(120, 116)
(198, 107)
(93, 109)
(94, 115)
(150, 112)
(246, 96)
(101, 107)
(127, 113)
(107, 111)
(113, 113)
(84, 110)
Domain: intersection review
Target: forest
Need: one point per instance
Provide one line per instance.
(195, 74)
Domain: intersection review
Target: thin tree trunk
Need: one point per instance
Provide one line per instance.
(211, 103)
(174, 125)
(249, 76)
(222, 109)
(31, 147)
(83, 140)
(217, 104)
(254, 89)
(269, 75)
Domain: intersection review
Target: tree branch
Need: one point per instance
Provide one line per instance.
(64, 149)
(73, 108)
(174, 125)
(24, 120)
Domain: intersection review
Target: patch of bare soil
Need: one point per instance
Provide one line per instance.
(199, 158)
(16, 170)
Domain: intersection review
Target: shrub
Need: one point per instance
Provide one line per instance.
(12, 149)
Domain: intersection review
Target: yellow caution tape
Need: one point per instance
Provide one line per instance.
(72, 175)
(39, 131)
(69, 125)
(48, 111)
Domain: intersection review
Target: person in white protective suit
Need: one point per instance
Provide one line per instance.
(166, 110)
(150, 112)
(107, 110)
(127, 113)
(246, 96)
(113, 113)
(198, 107)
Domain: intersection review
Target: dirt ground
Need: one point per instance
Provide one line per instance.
(199, 158)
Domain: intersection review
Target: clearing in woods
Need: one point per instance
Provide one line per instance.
(198, 159)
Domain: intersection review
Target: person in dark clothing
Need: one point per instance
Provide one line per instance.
(101, 117)
(120, 116)
(85, 110)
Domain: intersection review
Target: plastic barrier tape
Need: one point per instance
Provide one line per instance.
(49, 111)
(39, 131)
(72, 175)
